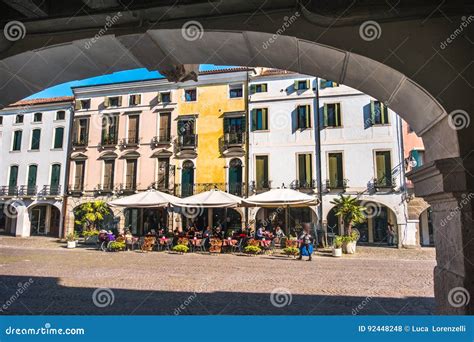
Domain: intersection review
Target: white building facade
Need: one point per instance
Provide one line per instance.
(34, 147)
(361, 152)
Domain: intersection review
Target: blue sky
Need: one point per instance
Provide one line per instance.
(122, 76)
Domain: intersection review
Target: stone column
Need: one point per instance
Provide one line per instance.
(447, 184)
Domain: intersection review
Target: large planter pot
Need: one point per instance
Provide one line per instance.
(71, 244)
(349, 247)
(337, 252)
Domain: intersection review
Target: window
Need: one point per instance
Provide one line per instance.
(336, 172)
(35, 139)
(260, 119)
(305, 170)
(165, 127)
(327, 84)
(186, 133)
(417, 157)
(133, 129)
(303, 116)
(114, 101)
(60, 115)
(332, 115)
(19, 119)
(131, 174)
(190, 95)
(378, 113)
(81, 132)
(163, 173)
(258, 88)
(37, 117)
(55, 179)
(58, 137)
(31, 182)
(261, 175)
(234, 130)
(13, 179)
(383, 167)
(134, 100)
(1, 120)
(109, 170)
(109, 130)
(79, 169)
(301, 85)
(83, 104)
(17, 140)
(164, 97)
(235, 91)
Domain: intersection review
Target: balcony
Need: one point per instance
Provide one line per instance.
(307, 185)
(384, 183)
(129, 142)
(127, 188)
(188, 141)
(50, 191)
(108, 141)
(234, 140)
(79, 143)
(105, 189)
(75, 190)
(163, 187)
(28, 190)
(8, 190)
(261, 186)
(336, 184)
(163, 139)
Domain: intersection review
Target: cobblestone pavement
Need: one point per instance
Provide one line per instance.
(55, 280)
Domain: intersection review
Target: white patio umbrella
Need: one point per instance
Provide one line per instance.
(210, 199)
(147, 199)
(281, 197)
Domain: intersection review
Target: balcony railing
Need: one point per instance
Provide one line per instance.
(79, 142)
(9, 190)
(303, 185)
(188, 141)
(234, 139)
(385, 182)
(260, 186)
(108, 141)
(163, 139)
(127, 188)
(28, 190)
(336, 184)
(129, 142)
(50, 190)
(104, 189)
(163, 187)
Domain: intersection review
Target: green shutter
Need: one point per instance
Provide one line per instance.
(32, 171)
(58, 137)
(252, 88)
(106, 102)
(253, 114)
(325, 115)
(55, 173)
(35, 139)
(372, 111)
(307, 84)
(264, 118)
(308, 116)
(296, 85)
(322, 83)
(13, 176)
(78, 105)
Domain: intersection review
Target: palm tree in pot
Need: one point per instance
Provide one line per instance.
(351, 212)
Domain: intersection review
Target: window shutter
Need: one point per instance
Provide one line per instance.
(296, 85)
(253, 117)
(308, 116)
(383, 113)
(78, 105)
(120, 101)
(106, 102)
(307, 84)
(372, 111)
(138, 99)
(264, 87)
(159, 98)
(322, 83)
(252, 88)
(335, 84)
(264, 118)
(337, 111)
(325, 115)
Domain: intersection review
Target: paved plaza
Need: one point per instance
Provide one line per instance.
(55, 280)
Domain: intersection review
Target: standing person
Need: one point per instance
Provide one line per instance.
(128, 240)
(390, 234)
(306, 242)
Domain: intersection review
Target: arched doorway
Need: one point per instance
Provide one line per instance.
(187, 178)
(235, 177)
(45, 219)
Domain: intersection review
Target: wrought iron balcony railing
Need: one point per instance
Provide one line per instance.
(260, 186)
(79, 142)
(234, 139)
(303, 185)
(9, 190)
(108, 141)
(28, 190)
(127, 187)
(129, 142)
(188, 141)
(50, 190)
(336, 184)
(384, 182)
(164, 138)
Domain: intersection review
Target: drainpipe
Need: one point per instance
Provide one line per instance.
(247, 148)
(67, 170)
(317, 138)
(403, 180)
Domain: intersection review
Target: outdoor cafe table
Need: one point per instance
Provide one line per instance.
(195, 242)
(265, 243)
(229, 242)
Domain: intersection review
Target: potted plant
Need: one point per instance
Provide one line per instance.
(71, 239)
(181, 249)
(252, 250)
(349, 210)
(91, 215)
(337, 246)
(291, 251)
(116, 246)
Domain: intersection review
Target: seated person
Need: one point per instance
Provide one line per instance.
(279, 232)
(260, 233)
(207, 232)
